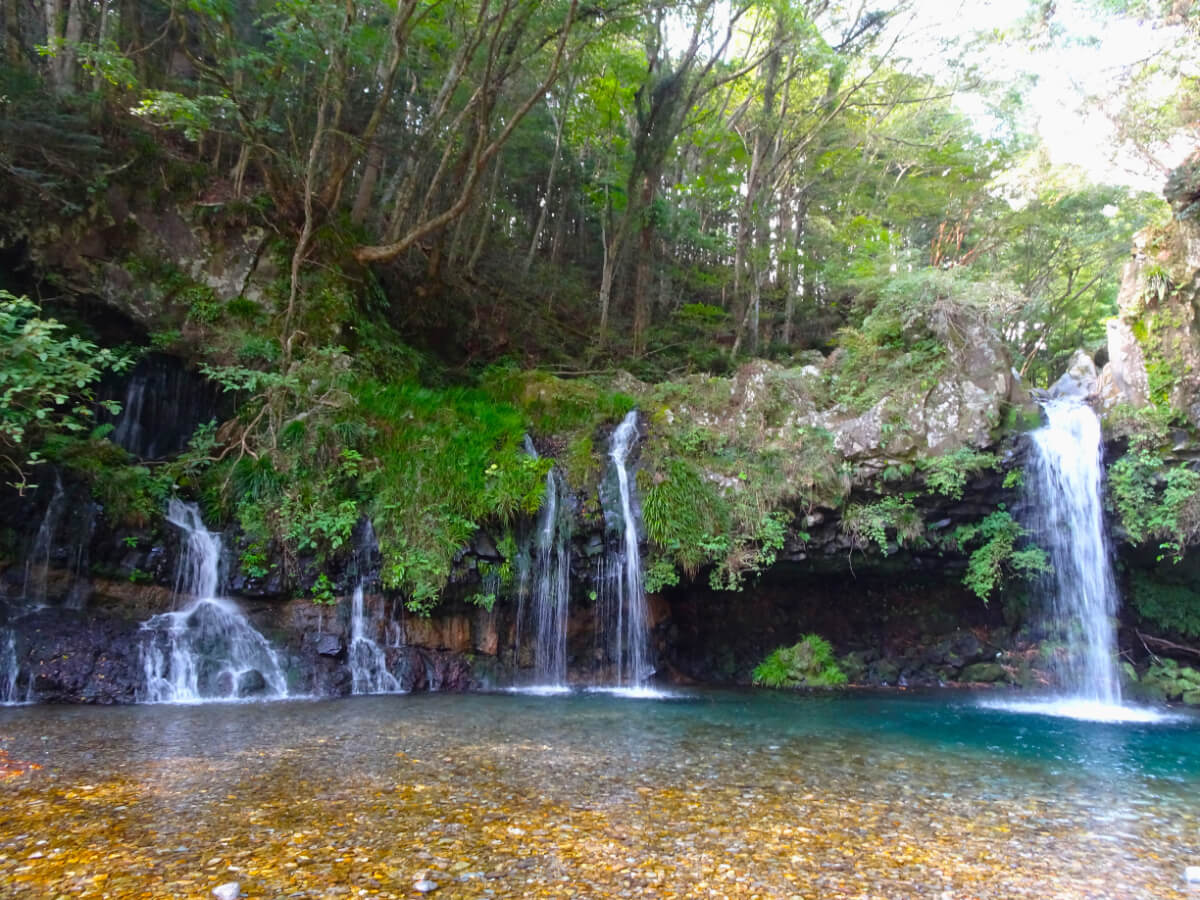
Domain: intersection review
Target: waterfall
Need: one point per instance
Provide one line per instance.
(1064, 486)
(37, 563)
(10, 668)
(208, 650)
(552, 586)
(162, 403)
(622, 599)
(368, 663)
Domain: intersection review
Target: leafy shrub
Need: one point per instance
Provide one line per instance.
(871, 523)
(947, 474)
(807, 663)
(996, 557)
(46, 382)
(1172, 607)
(1154, 499)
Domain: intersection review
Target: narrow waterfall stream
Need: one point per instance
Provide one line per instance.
(208, 650)
(37, 564)
(368, 663)
(10, 668)
(622, 600)
(367, 660)
(551, 587)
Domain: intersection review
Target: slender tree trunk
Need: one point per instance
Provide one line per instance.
(559, 122)
(560, 227)
(607, 270)
(72, 36)
(12, 34)
(485, 219)
(105, 17)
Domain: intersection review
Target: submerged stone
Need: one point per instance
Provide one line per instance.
(231, 890)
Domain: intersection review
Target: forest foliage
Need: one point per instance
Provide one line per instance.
(480, 214)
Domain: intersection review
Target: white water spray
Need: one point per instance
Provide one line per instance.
(623, 597)
(1066, 482)
(551, 589)
(367, 660)
(208, 650)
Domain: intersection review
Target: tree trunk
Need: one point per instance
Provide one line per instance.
(641, 278)
(72, 36)
(485, 219)
(560, 121)
(12, 34)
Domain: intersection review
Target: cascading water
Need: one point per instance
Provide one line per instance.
(10, 668)
(552, 587)
(207, 650)
(368, 663)
(1065, 487)
(162, 404)
(37, 563)
(622, 601)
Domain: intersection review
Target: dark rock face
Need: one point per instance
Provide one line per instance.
(162, 404)
(74, 657)
(895, 631)
(1182, 189)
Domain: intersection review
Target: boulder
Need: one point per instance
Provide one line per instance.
(1123, 378)
(1079, 382)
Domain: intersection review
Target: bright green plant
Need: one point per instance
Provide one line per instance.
(995, 555)
(873, 523)
(660, 573)
(947, 474)
(680, 509)
(808, 663)
(322, 590)
(254, 560)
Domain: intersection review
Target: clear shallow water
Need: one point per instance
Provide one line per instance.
(715, 794)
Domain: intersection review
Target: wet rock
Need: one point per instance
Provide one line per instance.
(75, 657)
(231, 890)
(1079, 381)
(425, 886)
(251, 683)
(327, 644)
(885, 671)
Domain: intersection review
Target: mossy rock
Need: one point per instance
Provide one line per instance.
(1147, 692)
(984, 673)
(855, 666)
(886, 671)
(1129, 675)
